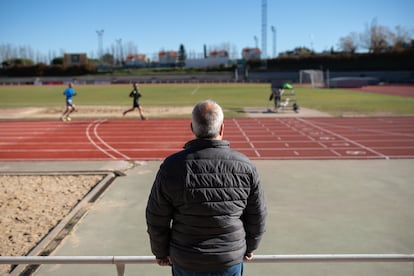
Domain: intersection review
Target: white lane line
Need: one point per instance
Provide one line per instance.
(93, 142)
(356, 152)
(340, 144)
(95, 131)
(376, 131)
(195, 90)
(296, 127)
(247, 138)
(345, 139)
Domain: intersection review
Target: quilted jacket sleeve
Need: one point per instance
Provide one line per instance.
(159, 214)
(254, 216)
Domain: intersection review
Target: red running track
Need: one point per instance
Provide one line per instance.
(258, 138)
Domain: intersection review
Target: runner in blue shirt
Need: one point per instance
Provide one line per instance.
(70, 107)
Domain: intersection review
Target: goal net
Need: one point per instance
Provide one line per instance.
(314, 78)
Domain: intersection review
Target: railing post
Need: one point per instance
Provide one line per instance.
(120, 268)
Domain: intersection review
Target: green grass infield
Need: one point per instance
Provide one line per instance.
(232, 97)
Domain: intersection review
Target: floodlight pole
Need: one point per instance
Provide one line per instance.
(120, 52)
(274, 41)
(100, 43)
(264, 28)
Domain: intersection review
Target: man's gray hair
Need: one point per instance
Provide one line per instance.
(207, 118)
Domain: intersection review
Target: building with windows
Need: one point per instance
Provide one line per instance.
(251, 53)
(167, 58)
(136, 60)
(74, 59)
(217, 58)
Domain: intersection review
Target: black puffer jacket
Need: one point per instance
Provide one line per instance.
(206, 208)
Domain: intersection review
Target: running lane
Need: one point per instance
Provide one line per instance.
(258, 138)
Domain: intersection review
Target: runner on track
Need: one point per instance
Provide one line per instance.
(70, 107)
(135, 104)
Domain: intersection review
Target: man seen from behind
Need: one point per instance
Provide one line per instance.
(206, 211)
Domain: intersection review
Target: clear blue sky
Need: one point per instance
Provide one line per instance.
(70, 26)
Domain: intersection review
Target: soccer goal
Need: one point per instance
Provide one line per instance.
(314, 78)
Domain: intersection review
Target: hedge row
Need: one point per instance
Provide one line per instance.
(47, 70)
(365, 62)
(343, 62)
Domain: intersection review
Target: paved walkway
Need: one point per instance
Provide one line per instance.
(268, 112)
(315, 207)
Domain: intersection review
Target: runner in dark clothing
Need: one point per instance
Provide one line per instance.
(136, 95)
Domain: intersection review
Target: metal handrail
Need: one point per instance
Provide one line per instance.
(121, 261)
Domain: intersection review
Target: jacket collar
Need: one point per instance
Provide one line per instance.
(207, 143)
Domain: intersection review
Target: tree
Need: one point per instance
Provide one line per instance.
(6, 52)
(19, 62)
(349, 43)
(375, 38)
(182, 56)
(57, 61)
(298, 52)
(108, 59)
(401, 38)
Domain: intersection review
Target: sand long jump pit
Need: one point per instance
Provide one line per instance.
(39, 209)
